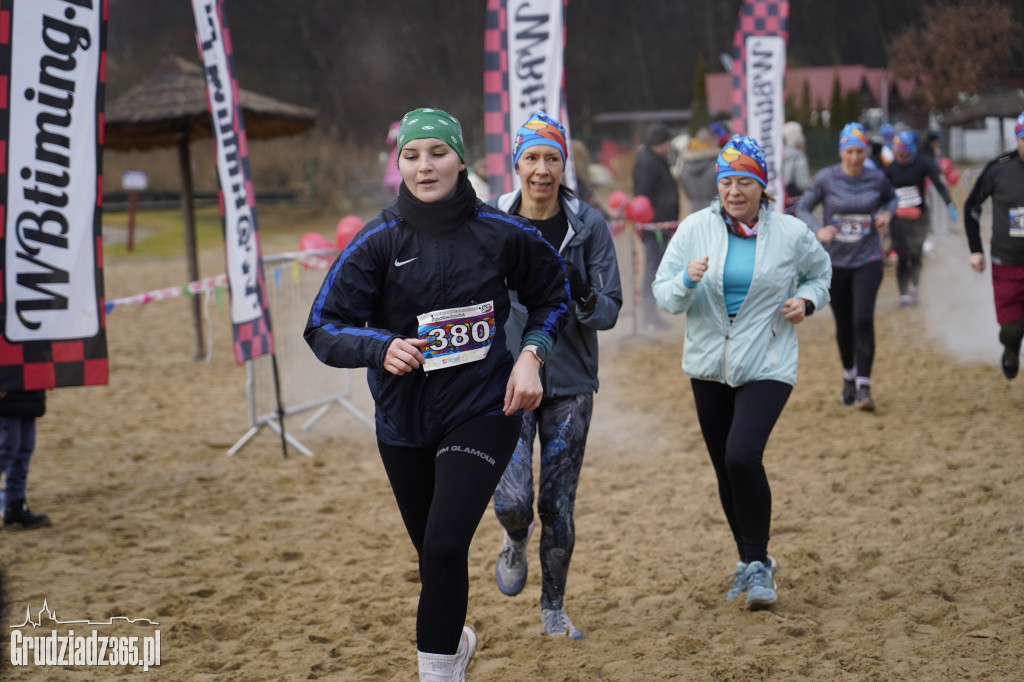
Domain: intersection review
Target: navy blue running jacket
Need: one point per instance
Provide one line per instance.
(392, 272)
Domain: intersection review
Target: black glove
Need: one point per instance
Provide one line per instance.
(579, 289)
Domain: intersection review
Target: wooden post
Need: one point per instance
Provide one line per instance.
(191, 256)
(132, 201)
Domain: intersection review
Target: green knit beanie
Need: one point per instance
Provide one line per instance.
(422, 124)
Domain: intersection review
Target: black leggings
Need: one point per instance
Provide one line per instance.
(736, 423)
(442, 493)
(908, 238)
(853, 294)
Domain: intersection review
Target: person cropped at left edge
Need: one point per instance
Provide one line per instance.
(420, 297)
(18, 413)
(745, 275)
(562, 420)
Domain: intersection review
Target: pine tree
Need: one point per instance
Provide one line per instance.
(837, 107)
(699, 114)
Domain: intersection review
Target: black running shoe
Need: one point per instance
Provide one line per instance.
(849, 395)
(1011, 362)
(864, 400)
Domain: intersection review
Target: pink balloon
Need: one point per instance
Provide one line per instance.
(617, 199)
(639, 210)
(313, 241)
(347, 228)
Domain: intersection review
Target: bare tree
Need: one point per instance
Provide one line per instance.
(962, 49)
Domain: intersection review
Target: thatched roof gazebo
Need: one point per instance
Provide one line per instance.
(169, 109)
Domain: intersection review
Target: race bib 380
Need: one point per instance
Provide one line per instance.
(457, 335)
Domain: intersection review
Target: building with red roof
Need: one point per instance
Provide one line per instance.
(876, 88)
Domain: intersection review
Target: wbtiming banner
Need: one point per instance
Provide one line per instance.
(250, 316)
(52, 65)
(524, 47)
(758, 81)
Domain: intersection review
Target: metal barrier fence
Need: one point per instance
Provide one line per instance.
(306, 384)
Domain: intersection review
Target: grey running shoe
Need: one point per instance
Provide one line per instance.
(761, 583)
(738, 580)
(467, 647)
(1011, 362)
(849, 395)
(864, 400)
(557, 624)
(510, 571)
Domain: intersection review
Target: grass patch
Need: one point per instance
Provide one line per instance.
(161, 232)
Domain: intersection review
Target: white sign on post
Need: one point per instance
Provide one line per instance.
(134, 180)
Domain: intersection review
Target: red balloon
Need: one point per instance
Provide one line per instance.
(639, 210)
(347, 228)
(314, 241)
(617, 199)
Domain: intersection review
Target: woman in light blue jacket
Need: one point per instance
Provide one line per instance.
(745, 276)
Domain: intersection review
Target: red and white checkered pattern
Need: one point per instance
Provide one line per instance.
(757, 18)
(254, 338)
(38, 365)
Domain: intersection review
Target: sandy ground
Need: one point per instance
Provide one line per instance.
(899, 534)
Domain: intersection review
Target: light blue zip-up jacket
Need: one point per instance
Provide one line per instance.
(760, 343)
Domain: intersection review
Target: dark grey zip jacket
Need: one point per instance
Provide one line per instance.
(571, 366)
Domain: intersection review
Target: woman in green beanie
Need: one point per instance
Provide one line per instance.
(420, 297)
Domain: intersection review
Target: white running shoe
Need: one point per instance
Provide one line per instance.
(448, 667)
(467, 647)
(557, 624)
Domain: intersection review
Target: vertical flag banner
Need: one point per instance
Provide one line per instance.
(250, 316)
(758, 80)
(52, 84)
(524, 48)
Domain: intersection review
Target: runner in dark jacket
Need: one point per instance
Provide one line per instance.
(562, 420)
(420, 297)
(1002, 180)
(910, 224)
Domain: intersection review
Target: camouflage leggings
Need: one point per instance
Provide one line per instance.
(563, 424)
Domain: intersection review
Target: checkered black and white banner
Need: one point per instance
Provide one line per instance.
(250, 316)
(758, 80)
(52, 84)
(524, 47)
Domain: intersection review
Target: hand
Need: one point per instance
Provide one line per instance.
(977, 261)
(523, 390)
(795, 310)
(826, 234)
(697, 268)
(404, 355)
(882, 219)
(953, 217)
(578, 287)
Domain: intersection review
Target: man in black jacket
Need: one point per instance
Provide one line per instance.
(18, 413)
(653, 179)
(1003, 180)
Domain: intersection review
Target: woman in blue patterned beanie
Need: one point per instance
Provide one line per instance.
(745, 275)
(857, 205)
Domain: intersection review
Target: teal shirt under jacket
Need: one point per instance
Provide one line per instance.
(760, 343)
